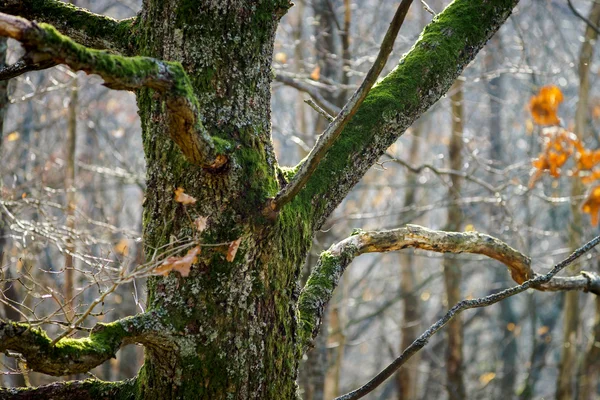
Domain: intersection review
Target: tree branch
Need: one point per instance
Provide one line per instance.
(83, 26)
(89, 389)
(335, 128)
(331, 108)
(44, 44)
(23, 66)
(74, 356)
(333, 262)
(421, 341)
(424, 74)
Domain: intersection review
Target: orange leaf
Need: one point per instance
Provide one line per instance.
(233, 248)
(183, 198)
(316, 73)
(544, 106)
(122, 247)
(591, 205)
(179, 264)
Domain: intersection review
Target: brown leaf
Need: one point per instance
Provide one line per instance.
(183, 198)
(233, 248)
(179, 264)
(200, 223)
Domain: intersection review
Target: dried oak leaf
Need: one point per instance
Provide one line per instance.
(183, 198)
(591, 205)
(179, 264)
(544, 106)
(233, 248)
(200, 223)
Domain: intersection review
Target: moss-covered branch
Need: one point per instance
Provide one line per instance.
(74, 356)
(83, 26)
(333, 262)
(89, 389)
(45, 44)
(424, 74)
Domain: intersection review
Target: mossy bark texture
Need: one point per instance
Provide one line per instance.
(230, 330)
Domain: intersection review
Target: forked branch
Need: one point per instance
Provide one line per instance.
(333, 262)
(335, 128)
(43, 44)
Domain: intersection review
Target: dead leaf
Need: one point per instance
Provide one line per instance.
(179, 264)
(233, 248)
(544, 106)
(183, 198)
(486, 378)
(591, 205)
(281, 57)
(200, 223)
(11, 137)
(122, 247)
(315, 75)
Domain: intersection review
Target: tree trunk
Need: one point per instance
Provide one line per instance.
(452, 273)
(232, 324)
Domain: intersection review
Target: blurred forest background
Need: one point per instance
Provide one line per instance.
(72, 188)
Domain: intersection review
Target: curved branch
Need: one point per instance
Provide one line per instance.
(44, 44)
(421, 341)
(74, 356)
(85, 27)
(335, 128)
(89, 389)
(333, 262)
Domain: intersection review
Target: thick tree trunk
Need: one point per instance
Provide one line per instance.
(232, 324)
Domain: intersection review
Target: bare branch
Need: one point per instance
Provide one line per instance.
(326, 105)
(335, 128)
(73, 356)
(333, 262)
(421, 341)
(89, 29)
(44, 44)
(583, 17)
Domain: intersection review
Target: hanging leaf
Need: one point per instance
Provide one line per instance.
(591, 205)
(11, 137)
(122, 247)
(183, 198)
(200, 223)
(179, 264)
(233, 248)
(544, 106)
(316, 73)
(280, 57)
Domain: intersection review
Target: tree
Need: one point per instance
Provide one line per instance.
(235, 325)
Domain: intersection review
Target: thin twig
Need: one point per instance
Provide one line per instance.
(582, 17)
(335, 128)
(422, 340)
(318, 109)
